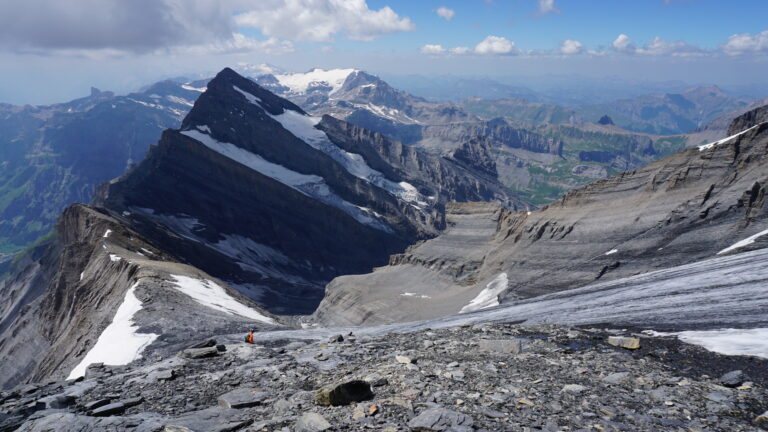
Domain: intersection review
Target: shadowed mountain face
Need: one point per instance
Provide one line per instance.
(277, 203)
(695, 204)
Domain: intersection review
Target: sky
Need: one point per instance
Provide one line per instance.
(52, 51)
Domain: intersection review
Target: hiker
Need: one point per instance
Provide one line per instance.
(249, 336)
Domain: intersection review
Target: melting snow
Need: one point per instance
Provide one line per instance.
(746, 242)
(118, 344)
(725, 140)
(612, 251)
(410, 294)
(180, 101)
(107, 233)
(211, 295)
(310, 185)
(113, 257)
(489, 296)
(747, 342)
(300, 82)
(303, 127)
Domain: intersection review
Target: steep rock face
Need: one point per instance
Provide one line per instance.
(497, 130)
(748, 120)
(277, 203)
(72, 294)
(687, 207)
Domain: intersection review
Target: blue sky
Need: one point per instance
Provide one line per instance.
(51, 51)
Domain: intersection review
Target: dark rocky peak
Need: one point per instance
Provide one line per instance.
(605, 120)
(748, 120)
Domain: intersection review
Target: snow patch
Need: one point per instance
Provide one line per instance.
(612, 251)
(725, 140)
(180, 101)
(301, 82)
(303, 127)
(489, 296)
(251, 98)
(114, 258)
(744, 342)
(746, 242)
(211, 295)
(107, 233)
(197, 89)
(118, 344)
(410, 294)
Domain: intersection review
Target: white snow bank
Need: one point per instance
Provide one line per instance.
(746, 242)
(489, 296)
(211, 295)
(745, 342)
(725, 140)
(107, 233)
(612, 251)
(300, 82)
(118, 344)
(308, 184)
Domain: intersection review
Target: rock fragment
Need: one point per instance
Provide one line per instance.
(312, 422)
(441, 419)
(198, 353)
(505, 346)
(631, 343)
(242, 398)
(733, 379)
(344, 393)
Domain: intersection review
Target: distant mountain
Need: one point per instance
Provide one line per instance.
(52, 156)
(693, 205)
(668, 113)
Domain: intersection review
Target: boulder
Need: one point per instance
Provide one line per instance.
(242, 398)
(441, 419)
(311, 422)
(631, 343)
(505, 346)
(108, 410)
(733, 379)
(344, 393)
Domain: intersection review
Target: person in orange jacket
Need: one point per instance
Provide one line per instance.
(249, 336)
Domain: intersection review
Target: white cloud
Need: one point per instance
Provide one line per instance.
(432, 49)
(495, 45)
(661, 47)
(622, 44)
(320, 20)
(445, 13)
(570, 47)
(746, 43)
(547, 6)
(460, 50)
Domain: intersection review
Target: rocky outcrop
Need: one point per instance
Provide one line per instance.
(72, 294)
(748, 120)
(497, 131)
(687, 207)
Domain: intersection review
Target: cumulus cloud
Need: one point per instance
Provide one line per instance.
(445, 13)
(571, 47)
(547, 6)
(495, 45)
(746, 43)
(661, 47)
(320, 20)
(144, 26)
(432, 49)
(460, 50)
(623, 44)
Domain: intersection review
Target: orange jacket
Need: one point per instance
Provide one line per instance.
(249, 338)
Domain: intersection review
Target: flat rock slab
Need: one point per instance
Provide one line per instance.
(441, 419)
(311, 422)
(242, 398)
(196, 353)
(631, 343)
(344, 393)
(506, 346)
(109, 409)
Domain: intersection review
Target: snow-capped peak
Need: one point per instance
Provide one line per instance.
(258, 69)
(301, 82)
